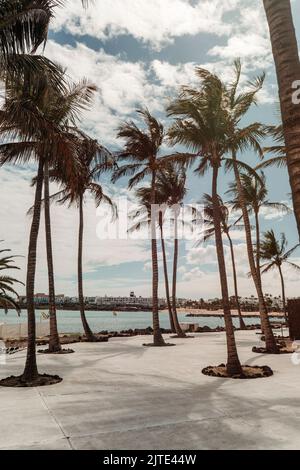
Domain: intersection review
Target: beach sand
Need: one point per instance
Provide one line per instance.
(219, 313)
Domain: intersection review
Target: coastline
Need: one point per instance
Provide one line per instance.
(189, 312)
(198, 312)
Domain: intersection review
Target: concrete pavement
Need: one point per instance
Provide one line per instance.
(119, 395)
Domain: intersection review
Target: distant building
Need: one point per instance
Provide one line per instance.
(131, 301)
(41, 299)
(90, 300)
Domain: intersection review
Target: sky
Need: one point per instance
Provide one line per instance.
(138, 53)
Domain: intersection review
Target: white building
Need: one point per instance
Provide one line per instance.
(131, 301)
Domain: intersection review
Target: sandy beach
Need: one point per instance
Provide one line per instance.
(219, 313)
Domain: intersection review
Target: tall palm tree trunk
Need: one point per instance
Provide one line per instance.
(257, 226)
(54, 341)
(31, 372)
(286, 56)
(271, 345)
(283, 293)
(165, 265)
(178, 328)
(158, 339)
(88, 332)
(233, 363)
(241, 320)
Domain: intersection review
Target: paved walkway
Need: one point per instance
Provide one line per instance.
(123, 396)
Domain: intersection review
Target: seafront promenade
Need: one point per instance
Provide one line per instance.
(118, 395)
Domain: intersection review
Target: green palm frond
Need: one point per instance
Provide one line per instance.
(139, 177)
(279, 162)
(275, 251)
(7, 282)
(265, 268)
(7, 301)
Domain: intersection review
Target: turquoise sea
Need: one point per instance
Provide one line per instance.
(69, 321)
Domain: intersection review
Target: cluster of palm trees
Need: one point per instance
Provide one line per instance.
(206, 120)
(39, 121)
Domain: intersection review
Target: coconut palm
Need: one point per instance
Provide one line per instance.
(227, 227)
(238, 105)
(23, 28)
(142, 219)
(7, 289)
(140, 159)
(213, 133)
(202, 125)
(93, 159)
(275, 253)
(31, 132)
(278, 150)
(63, 109)
(256, 198)
(286, 57)
(170, 190)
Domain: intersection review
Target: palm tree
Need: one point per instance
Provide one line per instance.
(31, 133)
(170, 191)
(143, 195)
(166, 275)
(23, 28)
(286, 57)
(7, 282)
(202, 125)
(226, 229)
(140, 159)
(239, 104)
(256, 198)
(93, 159)
(64, 110)
(275, 253)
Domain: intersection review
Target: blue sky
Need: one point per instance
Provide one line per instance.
(138, 52)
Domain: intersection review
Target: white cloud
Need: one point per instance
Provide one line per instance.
(153, 21)
(123, 86)
(272, 213)
(251, 47)
(17, 197)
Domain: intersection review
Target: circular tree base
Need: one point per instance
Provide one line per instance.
(62, 351)
(153, 345)
(40, 381)
(265, 351)
(248, 372)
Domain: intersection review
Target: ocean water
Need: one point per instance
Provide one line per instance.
(69, 321)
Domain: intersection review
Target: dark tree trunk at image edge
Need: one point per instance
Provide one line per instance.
(165, 265)
(233, 363)
(31, 372)
(241, 320)
(271, 345)
(158, 339)
(88, 332)
(178, 329)
(54, 342)
(286, 57)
